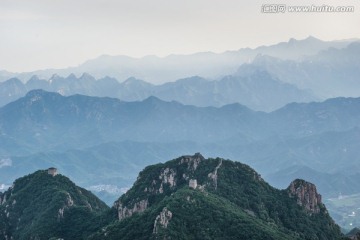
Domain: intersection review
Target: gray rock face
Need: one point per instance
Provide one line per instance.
(214, 176)
(162, 220)
(306, 195)
(193, 183)
(69, 203)
(124, 211)
(168, 177)
(192, 161)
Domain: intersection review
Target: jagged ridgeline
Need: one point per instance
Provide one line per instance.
(187, 198)
(196, 198)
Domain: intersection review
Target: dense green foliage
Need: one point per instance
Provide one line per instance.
(229, 201)
(239, 205)
(41, 206)
(196, 216)
(354, 233)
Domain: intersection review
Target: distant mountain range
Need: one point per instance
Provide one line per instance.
(81, 132)
(330, 73)
(206, 64)
(189, 197)
(45, 120)
(259, 91)
(269, 81)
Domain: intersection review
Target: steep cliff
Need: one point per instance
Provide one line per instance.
(306, 195)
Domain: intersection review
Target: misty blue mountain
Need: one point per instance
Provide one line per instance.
(205, 64)
(330, 73)
(40, 115)
(82, 134)
(259, 91)
(312, 70)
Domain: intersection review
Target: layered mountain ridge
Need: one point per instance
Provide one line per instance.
(41, 115)
(266, 80)
(206, 64)
(259, 90)
(330, 73)
(47, 124)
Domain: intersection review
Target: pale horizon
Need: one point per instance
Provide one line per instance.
(170, 54)
(53, 35)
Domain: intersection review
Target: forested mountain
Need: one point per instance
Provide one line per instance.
(189, 198)
(45, 205)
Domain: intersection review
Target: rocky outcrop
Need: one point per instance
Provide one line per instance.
(192, 161)
(125, 211)
(69, 202)
(354, 234)
(193, 183)
(6, 195)
(168, 176)
(214, 176)
(162, 220)
(306, 195)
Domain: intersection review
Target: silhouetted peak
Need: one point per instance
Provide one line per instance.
(13, 81)
(152, 99)
(55, 77)
(312, 38)
(86, 75)
(71, 76)
(34, 78)
(132, 80)
(39, 93)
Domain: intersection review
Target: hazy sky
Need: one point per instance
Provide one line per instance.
(40, 34)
